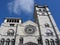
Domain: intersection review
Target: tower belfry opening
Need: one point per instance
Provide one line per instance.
(12, 20)
(46, 23)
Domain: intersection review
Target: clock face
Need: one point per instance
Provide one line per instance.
(30, 29)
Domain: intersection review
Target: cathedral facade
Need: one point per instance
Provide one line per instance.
(43, 31)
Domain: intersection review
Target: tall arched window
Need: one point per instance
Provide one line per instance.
(7, 41)
(52, 42)
(47, 42)
(13, 42)
(2, 41)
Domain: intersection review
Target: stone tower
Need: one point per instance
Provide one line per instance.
(47, 26)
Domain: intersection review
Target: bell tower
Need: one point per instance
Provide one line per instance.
(47, 26)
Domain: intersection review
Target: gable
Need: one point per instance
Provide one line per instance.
(29, 22)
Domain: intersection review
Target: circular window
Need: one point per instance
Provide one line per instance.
(30, 29)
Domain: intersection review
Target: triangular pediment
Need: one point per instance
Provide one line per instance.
(29, 22)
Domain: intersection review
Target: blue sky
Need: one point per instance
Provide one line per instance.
(54, 6)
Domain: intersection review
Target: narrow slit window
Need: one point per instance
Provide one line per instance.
(12, 24)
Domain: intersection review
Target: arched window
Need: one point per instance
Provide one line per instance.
(56, 41)
(2, 41)
(39, 10)
(52, 42)
(7, 41)
(49, 32)
(10, 32)
(13, 42)
(39, 40)
(47, 42)
(21, 40)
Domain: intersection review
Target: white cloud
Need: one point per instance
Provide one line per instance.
(17, 6)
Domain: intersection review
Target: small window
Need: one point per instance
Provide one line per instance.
(10, 32)
(40, 10)
(12, 20)
(12, 24)
(39, 40)
(17, 21)
(49, 33)
(13, 42)
(21, 40)
(47, 25)
(44, 10)
(43, 13)
(7, 20)
(56, 41)
(2, 41)
(52, 42)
